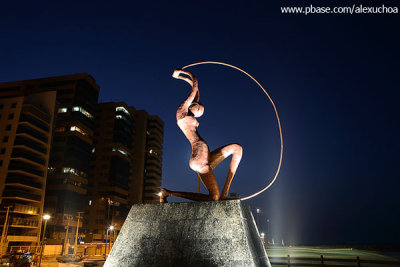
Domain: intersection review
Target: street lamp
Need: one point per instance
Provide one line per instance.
(108, 229)
(4, 233)
(46, 217)
(258, 221)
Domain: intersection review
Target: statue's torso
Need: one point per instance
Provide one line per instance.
(189, 125)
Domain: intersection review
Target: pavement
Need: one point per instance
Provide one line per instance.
(52, 262)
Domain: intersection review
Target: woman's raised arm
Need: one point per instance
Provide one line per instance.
(193, 96)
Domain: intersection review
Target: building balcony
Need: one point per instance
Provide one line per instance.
(22, 166)
(18, 238)
(19, 222)
(28, 141)
(27, 162)
(25, 209)
(152, 181)
(37, 112)
(153, 174)
(65, 219)
(18, 208)
(21, 195)
(28, 118)
(31, 138)
(27, 148)
(153, 162)
(24, 173)
(23, 182)
(19, 153)
(32, 132)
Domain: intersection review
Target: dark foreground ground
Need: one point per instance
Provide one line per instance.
(304, 252)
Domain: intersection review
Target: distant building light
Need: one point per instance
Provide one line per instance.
(62, 110)
(123, 110)
(93, 150)
(147, 132)
(60, 129)
(76, 128)
(74, 171)
(90, 203)
(83, 111)
(123, 152)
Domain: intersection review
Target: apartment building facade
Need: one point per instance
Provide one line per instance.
(123, 139)
(68, 130)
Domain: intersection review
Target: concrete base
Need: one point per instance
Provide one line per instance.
(220, 233)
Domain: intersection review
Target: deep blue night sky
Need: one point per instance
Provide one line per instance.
(334, 78)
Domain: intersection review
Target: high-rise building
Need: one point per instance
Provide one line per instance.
(125, 167)
(26, 124)
(147, 158)
(62, 153)
(110, 169)
(68, 165)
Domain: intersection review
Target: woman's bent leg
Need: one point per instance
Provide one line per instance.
(218, 155)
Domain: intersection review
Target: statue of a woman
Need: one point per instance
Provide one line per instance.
(202, 160)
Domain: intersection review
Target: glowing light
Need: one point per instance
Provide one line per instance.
(62, 110)
(258, 210)
(112, 227)
(77, 129)
(123, 110)
(276, 114)
(46, 217)
(83, 111)
(123, 152)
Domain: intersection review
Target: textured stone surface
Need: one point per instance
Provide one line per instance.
(219, 233)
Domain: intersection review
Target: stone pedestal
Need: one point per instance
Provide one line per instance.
(220, 233)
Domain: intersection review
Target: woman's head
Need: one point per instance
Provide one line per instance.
(197, 109)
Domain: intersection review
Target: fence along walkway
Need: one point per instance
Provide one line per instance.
(329, 262)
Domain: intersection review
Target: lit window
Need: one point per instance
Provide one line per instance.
(123, 110)
(62, 110)
(51, 169)
(83, 111)
(74, 171)
(153, 152)
(60, 129)
(123, 152)
(77, 129)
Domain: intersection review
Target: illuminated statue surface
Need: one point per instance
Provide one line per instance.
(202, 160)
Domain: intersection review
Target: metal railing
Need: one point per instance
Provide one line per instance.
(331, 262)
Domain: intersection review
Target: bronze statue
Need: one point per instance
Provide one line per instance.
(202, 160)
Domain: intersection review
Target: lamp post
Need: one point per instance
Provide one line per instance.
(46, 217)
(76, 234)
(105, 250)
(69, 219)
(4, 233)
